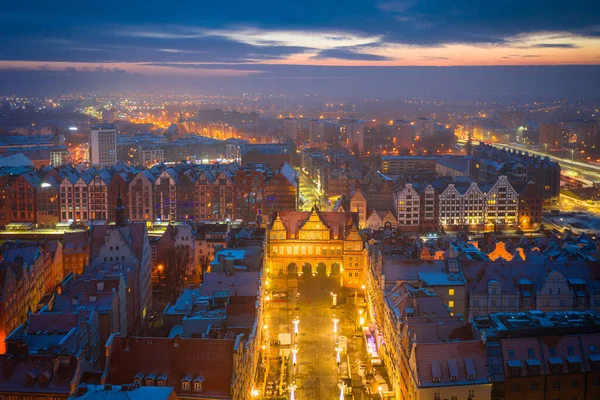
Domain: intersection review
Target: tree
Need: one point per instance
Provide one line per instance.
(177, 259)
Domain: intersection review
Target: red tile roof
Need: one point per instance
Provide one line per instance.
(69, 369)
(447, 356)
(521, 350)
(177, 358)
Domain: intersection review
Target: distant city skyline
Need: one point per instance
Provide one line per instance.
(260, 45)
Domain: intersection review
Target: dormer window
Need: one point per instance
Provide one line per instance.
(138, 378)
(185, 382)
(160, 383)
(198, 381)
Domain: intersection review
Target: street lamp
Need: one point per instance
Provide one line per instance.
(292, 389)
(294, 354)
(342, 387)
(335, 324)
(255, 392)
(333, 299)
(296, 321)
(338, 351)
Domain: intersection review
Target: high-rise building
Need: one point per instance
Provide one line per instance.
(316, 130)
(424, 127)
(552, 136)
(290, 128)
(103, 145)
(512, 119)
(355, 132)
(403, 133)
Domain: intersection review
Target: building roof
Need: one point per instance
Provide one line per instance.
(17, 374)
(124, 392)
(176, 358)
(451, 363)
(239, 283)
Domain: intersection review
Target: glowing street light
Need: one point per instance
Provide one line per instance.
(255, 392)
(296, 321)
(292, 389)
(338, 352)
(342, 387)
(294, 354)
(335, 324)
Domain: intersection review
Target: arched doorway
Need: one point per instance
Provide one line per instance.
(335, 269)
(292, 269)
(306, 269)
(321, 269)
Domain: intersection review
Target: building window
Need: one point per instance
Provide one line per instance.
(451, 292)
(555, 384)
(575, 383)
(451, 304)
(515, 387)
(471, 393)
(533, 386)
(185, 385)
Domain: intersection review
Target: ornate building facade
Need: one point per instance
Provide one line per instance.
(316, 243)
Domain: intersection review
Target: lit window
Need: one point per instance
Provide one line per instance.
(451, 304)
(450, 292)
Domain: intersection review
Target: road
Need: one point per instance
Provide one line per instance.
(309, 191)
(317, 373)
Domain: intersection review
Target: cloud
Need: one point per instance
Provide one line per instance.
(555, 46)
(349, 54)
(322, 40)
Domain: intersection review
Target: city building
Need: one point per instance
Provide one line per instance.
(123, 392)
(103, 145)
(27, 273)
(520, 168)
(272, 154)
(328, 242)
(126, 243)
(552, 136)
(262, 191)
(397, 165)
(207, 368)
(291, 128)
(403, 133)
(355, 135)
(424, 127)
(316, 130)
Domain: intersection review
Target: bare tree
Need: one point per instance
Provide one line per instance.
(177, 259)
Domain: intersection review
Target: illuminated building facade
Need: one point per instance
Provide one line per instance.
(316, 242)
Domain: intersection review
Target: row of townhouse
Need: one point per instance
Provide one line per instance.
(213, 192)
(435, 346)
(430, 206)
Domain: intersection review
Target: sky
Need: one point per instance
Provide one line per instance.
(352, 46)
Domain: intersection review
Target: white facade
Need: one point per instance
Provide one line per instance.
(151, 156)
(408, 206)
(502, 203)
(473, 206)
(103, 146)
(451, 207)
